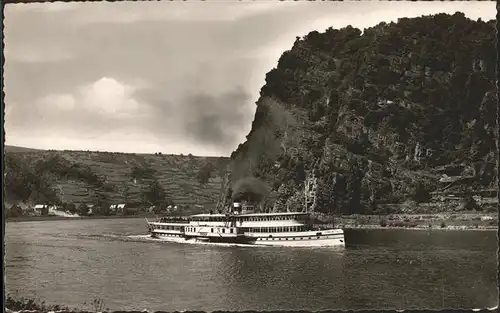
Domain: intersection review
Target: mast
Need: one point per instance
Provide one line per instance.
(309, 192)
(306, 185)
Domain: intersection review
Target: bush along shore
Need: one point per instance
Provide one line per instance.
(30, 305)
(21, 304)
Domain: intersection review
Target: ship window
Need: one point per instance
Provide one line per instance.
(231, 230)
(211, 230)
(224, 230)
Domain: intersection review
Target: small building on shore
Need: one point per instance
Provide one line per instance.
(90, 209)
(117, 208)
(41, 209)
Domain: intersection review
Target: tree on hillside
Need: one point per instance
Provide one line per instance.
(14, 211)
(102, 205)
(420, 193)
(70, 207)
(142, 172)
(155, 195)
(82, 209)
(37, 197)
(204, 173)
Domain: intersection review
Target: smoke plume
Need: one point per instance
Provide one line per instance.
(250, 189)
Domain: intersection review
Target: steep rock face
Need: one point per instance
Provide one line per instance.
(373, 115)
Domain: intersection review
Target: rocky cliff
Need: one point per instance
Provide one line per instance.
(401, 113)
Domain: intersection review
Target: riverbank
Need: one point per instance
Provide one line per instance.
(442, 221)
(59, 218)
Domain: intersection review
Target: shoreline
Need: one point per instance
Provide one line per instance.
(446, 228)
(22, 219)
(438, 221)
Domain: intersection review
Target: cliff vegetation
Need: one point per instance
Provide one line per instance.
(398, 118)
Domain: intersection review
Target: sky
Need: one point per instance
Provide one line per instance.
(171, 77)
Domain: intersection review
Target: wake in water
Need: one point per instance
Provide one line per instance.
(189, 241)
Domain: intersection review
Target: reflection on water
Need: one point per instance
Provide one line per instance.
(73, 262)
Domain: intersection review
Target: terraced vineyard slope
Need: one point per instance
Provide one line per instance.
(102, 178)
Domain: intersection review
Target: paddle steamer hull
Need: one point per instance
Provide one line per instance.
(262, 229)
(333, 237)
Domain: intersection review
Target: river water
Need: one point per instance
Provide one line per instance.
(74, 262)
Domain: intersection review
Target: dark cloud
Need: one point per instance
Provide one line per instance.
(206, 119)
(216, 119)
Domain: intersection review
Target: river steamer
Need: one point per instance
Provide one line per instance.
(244, 227)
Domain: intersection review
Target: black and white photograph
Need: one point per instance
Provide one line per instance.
(261, 155)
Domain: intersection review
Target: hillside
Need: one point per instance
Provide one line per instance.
(104, 178)
(8, 148)
(400, 117)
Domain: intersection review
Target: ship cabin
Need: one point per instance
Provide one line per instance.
(170, 226)
(285, 222)
(212, 225)
(233, 224)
